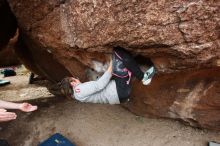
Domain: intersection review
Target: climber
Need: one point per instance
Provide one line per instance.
(8, 116)
(104, 90)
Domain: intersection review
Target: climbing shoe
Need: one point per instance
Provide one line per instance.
(148, 75)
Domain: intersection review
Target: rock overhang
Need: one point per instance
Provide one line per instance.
(66, 38)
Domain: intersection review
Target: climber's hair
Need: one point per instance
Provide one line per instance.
(66, 88)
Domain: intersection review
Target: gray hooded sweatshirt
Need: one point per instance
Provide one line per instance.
(101, 91)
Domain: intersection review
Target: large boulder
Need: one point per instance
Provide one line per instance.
(181, 38)
(8, 23)
(8, 56)
(8, 28)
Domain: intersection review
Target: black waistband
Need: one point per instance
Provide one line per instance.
(123, 100)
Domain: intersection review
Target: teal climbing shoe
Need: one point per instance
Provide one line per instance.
(148, 75)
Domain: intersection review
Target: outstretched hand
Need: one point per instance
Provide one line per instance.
(74, 82)
(7, 116)
(27, 107)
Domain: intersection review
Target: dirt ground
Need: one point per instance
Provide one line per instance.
(90, 124)
(19, 89)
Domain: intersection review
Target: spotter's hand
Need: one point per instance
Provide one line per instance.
(7, 116)
(27, 107)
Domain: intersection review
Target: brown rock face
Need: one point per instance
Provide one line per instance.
(8, 27)
(7, 55)
(180, 37)
(8, 23)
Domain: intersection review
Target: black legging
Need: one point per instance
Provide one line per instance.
(123, 88)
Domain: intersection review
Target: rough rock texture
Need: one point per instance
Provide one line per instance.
(7, 54)
(67, 37)
(8, 27)
(8, 57)
(8, 23)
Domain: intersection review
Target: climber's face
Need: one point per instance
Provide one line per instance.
(74, 82)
